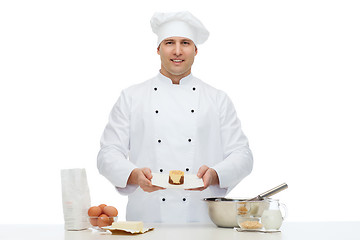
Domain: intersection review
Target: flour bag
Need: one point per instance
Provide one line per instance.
(75, 198)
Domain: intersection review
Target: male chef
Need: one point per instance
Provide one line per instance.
(173, 121)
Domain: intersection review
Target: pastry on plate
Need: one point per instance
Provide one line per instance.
(176, 177)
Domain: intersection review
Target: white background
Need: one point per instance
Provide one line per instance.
(290, 67)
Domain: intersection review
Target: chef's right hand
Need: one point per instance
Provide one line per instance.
(142, 177)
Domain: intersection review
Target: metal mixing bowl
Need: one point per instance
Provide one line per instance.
(224, 213)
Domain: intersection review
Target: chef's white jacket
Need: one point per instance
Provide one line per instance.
(166, 126)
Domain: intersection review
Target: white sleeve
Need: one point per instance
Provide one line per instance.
(130, 188)
(238, 160)
(112, 160)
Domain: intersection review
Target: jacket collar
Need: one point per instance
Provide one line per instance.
(189, 79)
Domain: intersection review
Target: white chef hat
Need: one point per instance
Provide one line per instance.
(178, 24)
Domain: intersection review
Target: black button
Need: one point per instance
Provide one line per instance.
(194, 89)
(189, 140)
(184, 199)
(192, 110)
(155, 89)
(187, 169)
(161, 170)
(163, 199)
(156, 111)
(159, 141)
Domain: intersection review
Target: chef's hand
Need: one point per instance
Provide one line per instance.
(142, 177)
(209, 177)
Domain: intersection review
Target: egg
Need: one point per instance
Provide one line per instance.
(102, 206)
(103, 220)
(93, 221)
(94, 211)
(110, 211)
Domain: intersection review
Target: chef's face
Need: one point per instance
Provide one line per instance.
(177, 55)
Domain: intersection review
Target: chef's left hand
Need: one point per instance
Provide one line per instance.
(209, 177)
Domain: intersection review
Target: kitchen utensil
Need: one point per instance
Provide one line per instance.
(273, 217)
(270, 192)
(223, 212)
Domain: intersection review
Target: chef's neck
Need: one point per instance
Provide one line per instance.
(175, 78)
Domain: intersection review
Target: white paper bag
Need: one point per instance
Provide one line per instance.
(75, 198)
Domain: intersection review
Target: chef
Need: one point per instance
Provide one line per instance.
(173, 121)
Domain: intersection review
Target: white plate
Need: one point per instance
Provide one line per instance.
(256, 230)
(190, 181)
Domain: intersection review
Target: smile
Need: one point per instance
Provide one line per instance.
(177, 60)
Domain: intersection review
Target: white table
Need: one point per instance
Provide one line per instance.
(289, 231)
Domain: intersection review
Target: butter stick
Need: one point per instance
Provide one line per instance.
(129, 225)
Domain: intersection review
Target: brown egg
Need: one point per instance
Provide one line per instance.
(110, 211)
(94, 211)
(93, 221)
(103, 220)
(102, 207)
